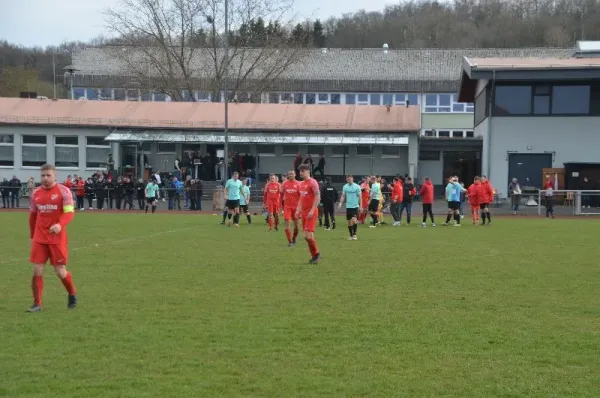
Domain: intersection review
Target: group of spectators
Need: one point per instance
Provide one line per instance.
(308, 160)
(212, 168)
(11, 192)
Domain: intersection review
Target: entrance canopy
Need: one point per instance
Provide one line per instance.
(259, 138)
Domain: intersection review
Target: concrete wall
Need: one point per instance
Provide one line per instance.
(572, 139)
(433, 169)
(447, 121)
(24, 172)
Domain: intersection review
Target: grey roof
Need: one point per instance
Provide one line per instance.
(343, 70)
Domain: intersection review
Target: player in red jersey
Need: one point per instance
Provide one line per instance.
(365, 189)
(291, 196)
(272, 201)
(310, 197)
(50, 211)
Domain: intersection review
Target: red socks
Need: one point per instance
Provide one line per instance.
(312, 247)
(37, 287)
(68, 284)
(288, 235)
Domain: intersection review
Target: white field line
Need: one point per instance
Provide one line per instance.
(138, 238)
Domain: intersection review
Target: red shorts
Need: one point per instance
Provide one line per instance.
(289, 213)
(42, 253)
(309, 224)
(272, 207)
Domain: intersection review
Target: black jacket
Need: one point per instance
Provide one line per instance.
(329, 195)
(100, 188)
(5, 187)
(140, 188)
(128, 188)
(406, 197)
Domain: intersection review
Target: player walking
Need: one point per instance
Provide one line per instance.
(291, 196)
(374, 195)
(233, 193)
(486, 197)
(310, 196)
(351, 195)
(50, 211)
(365, 189)
(152, 192)
(245, 199)
(453, 193)
(272, 201)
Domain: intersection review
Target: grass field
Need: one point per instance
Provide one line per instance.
(177, 306)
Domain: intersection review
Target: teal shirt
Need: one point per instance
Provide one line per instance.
(151, 190)
(375, 191)
(453, 191)
(233, 189)
(352, 195)
(246, 194)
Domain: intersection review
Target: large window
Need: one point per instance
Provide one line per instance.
(96, 152)
(338, 150)
(363, 150)
(541, 100)
(7, 150)
(265, 150)
(166, 147)
(445, 103)
(316, 150)
(571, 100)
(390, 151)
(512, 100)
(33, 150)
(66, 151)
(290, 150)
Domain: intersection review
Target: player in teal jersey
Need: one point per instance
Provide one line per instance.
(233, 192)
(375, 195)
(351, 195)
(152, 195)
(453, 193)
(245, 199)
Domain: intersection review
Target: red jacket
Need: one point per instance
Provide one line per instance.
(397, 192)
(473, 194)
(486, 193)
(426, 193)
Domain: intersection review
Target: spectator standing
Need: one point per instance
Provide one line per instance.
(90, 188)
(175, 194)
(80, 193)
(140, 189)
(408, 193)
(5, 188)
(320, 166)
(128, 190)
(110, 193)
(514, 191)
(329, 197)
(196, 194)
(100, 191)
(119, 193)
(15, 187)
(297, 163)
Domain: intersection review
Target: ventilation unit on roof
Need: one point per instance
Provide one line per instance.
(587, 49)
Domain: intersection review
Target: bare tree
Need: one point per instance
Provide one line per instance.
(170, 46)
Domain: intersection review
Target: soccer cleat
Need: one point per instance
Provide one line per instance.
(315, 259)
(236, 225)
(355, 237)
(72, 302)
(34, 308)
(456, 225)
(423, 225)
(372, 226)
(333, 226)
(351, 238)
(327, 229)
(433, 225)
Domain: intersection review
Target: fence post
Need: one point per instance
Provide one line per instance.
(577, 209)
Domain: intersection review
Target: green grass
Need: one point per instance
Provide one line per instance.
(174, 305)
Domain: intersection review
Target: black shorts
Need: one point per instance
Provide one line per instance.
(351, 213)
(232, 204)
(454, 205)
(484, 206)
(150, 200)
(374, 205)
(244, 208)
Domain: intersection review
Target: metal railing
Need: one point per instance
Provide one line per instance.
(581, 202)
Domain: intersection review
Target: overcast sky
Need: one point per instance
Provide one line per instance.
(49, 22)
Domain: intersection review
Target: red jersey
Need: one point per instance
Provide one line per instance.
(366, 192)
(486, 193)
(48, 207)
(426, 193)
(397, 192)
(80, 191)
(309, 189)
(272, 192)
(473, 194)
(69, 184)
(291, 193)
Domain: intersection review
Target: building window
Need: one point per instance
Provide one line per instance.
(241, 149)
(105, 94)
(119, 94)
(256, 98)
(335, 99)
(203, 96)
(444, 103)
(512, 100)
(570, 100)
(363, 99)
(403, 99)
(78, 93)
(541, 100)
(443, 133)
(429, 155)
(265, 150)
(7, 150)
(299, 98)
(92, 94)
(96, 152)
(33, 150)
(133, 95)
(287, 98)
(323, 98)
(273, 98)
(429, 133)
(160, 97)
(146, 147)
(375, 99)
(363, 150)
(310, 98)
(390, 151)
(146, 96)
(166, 147)
(350, 99)
(290, 150)
(458, 134)
(339, 150)
(470, 134)
(315, 151)
(66, 151)
(388, 99)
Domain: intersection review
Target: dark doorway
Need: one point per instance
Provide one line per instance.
(212, 149)
(464, 164)
(528, 168)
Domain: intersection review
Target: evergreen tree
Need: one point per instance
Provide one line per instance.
(318, 38)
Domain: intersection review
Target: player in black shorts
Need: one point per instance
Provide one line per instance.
(352, 196)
